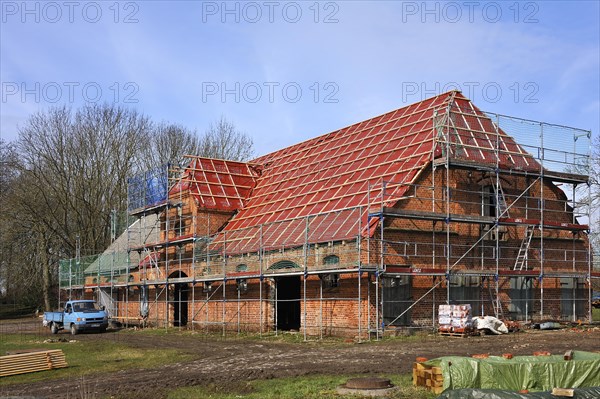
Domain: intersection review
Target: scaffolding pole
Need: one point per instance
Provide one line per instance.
(175, 259)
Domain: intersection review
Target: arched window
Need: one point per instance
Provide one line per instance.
(331, 260)
(284, 264)
(242, 267)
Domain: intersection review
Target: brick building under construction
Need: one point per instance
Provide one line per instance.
(361, 230)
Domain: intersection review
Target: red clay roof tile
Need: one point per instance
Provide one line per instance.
(332, 173)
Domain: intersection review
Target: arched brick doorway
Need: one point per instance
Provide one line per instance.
(287, 297)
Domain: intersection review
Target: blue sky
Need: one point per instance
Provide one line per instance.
(285, 71)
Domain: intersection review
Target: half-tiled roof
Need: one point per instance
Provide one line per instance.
(217, 183)
(333, 172)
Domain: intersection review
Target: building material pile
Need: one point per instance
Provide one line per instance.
(455, 320)
(469, 393)
(31, 362)
(490, 324)
(576, 369)
(427, 376)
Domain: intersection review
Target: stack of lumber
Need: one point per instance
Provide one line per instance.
(429, 377)
(31, 362)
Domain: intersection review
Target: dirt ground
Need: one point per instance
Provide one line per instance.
(228, 363)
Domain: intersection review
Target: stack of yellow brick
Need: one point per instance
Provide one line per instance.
(429, 377)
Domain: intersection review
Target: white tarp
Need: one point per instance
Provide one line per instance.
(491, 323)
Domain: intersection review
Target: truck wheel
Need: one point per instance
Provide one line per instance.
(73, 329)
(53, 328)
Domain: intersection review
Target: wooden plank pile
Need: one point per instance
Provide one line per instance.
(31, 362)
(430, 378)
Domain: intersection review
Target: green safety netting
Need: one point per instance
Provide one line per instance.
(71, 272)
(105, 267)
(108, 264)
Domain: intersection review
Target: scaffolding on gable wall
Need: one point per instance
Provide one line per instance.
(517, 237)
(175, 250)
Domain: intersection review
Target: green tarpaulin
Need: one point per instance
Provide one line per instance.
(581, 393)
(534, 373)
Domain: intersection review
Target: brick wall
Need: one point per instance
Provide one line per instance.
(410, 244)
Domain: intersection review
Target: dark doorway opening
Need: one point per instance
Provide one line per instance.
(521, 295)
(288, 303)
(180, 312)
(572, 298)
(397, 297)
(180, 301)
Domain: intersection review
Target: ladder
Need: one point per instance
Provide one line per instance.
(521, 260)
(500, 200)
(496, 305)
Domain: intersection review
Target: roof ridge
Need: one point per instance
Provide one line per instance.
(337, 171)
(451, 95)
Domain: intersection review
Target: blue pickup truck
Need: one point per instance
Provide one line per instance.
(79, 315)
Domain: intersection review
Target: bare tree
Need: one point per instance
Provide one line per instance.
(8, 163)
(21, 236)
(594, 203)
(223, 140)
(69, 170)
(169, 143)
(9, 230)
(73, 172)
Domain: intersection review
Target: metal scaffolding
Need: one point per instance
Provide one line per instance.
(483, 222)
(513, 228)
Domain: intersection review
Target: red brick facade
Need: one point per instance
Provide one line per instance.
(338, 308)
(370, 226)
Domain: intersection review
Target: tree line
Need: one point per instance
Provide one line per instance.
(67, 171)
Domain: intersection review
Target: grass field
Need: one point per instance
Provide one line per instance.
(312, 387)
(110, 356)
(99, 355)
(85, 358)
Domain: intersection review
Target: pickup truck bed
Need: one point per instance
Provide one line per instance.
(53, 317)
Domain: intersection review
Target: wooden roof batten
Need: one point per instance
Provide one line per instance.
(334, 172)
(217, 184)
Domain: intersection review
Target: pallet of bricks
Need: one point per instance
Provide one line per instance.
(428, 377)
(455, 320)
